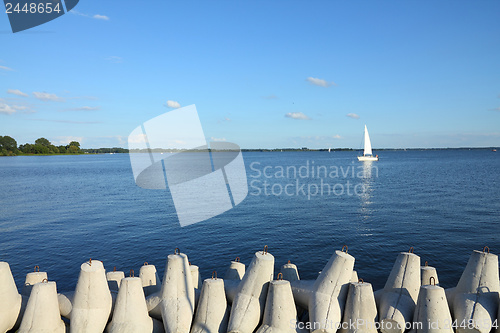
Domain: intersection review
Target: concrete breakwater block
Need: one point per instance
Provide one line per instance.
(290, 272)
(249, 302)
(475, 299)
(398, 299)
(280, 315)
(235, 271)
(10, 299)
(327, 300)
(177, 294)
(114, 279)
(130, 313)
(212, 314)
(151, 283)
(360, 314)
(426, 273)
(195, 276)
(31, 279)
(432, 314)
(92, 300)
(42, 311)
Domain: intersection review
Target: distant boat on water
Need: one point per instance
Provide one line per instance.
(367, 149)
(493, 149)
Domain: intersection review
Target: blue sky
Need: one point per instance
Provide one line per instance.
(262, 74)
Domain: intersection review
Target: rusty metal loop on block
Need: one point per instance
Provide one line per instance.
(360, 281)
(37, 269)
(114, 268)
(146, 263)
(90, 261)
(289, 262)
(177, 251)
(45, 280)
(237, 259)
(345, 247)
(214, 275)
(432, 280)
(410, 250)
(131, 274)
(265, 250)
(486, 249)
(426, 264)
(280, 277)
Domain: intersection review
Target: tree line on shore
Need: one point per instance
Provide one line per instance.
(42, 146)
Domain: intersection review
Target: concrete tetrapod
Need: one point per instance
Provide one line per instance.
(177, 294)
(130, 314)
(92, 300)
(195, 275)
(398, 298)
(360, 314)
(326, 303)
(249, 302)
(432, 314)
(10, 303)
(114, 279)
(212, 313)
(290, 272)
(42, 312)
(236, 270)
(426, 273)
(150, 281)
(280, 315)
(475, 299)
(31, 279)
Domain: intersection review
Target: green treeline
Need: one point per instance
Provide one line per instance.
(42, 146)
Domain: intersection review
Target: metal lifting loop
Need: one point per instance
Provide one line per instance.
(280, 276)
(432, 280)
(214, 275)
(344, 247)
(237, 259)
(177, 251)
(131, 274)
(45, 280)
(114, 269)
(265, 250)
(146, 263)
(410, 250)
(360, 281)
(37, 269)
(486, 248)
(426, 264)
(90, 261)
(189, 262)
(289, 262)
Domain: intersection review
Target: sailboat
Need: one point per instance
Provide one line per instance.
(367, 152)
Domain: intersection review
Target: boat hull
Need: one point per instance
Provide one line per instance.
(367, 158)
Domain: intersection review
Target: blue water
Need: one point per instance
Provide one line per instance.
(59, 211)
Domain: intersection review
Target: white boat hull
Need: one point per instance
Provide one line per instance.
(367, 158)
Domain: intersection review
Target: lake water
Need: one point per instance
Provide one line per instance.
(59, 211)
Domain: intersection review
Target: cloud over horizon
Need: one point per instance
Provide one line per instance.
(297, 115)
(43, 96)
(320, 82)
(353, 115)
(173, 104)
(5, 68)
(6, 109)
(17, 92)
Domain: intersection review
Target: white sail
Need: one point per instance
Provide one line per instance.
(368, 144)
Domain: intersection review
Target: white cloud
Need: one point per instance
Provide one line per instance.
(84, 108)
(173, 104)
(43, 96)
(20, 107)
(100, 17)
(352, 115)
(320, 82)
(217, 139)
(17, 92)
(64, 140)
(115, 59)
(270, 97)
(5, 68)
(496, 109)
(6, 109)
(297, 115)
(336, 136)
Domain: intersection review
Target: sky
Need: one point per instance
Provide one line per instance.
(262, 74)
